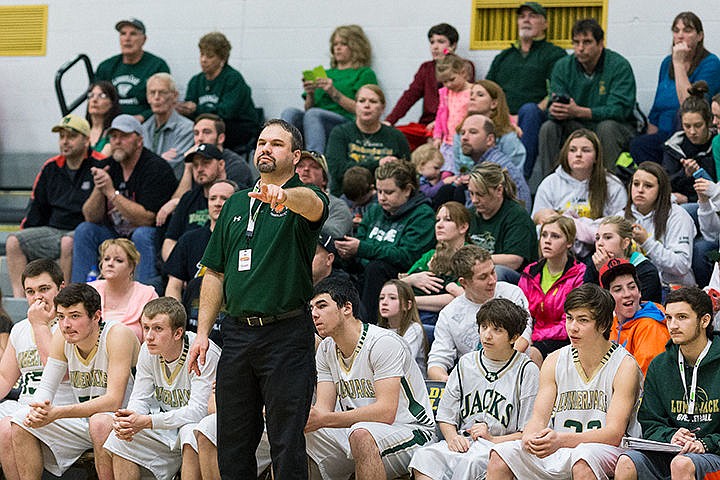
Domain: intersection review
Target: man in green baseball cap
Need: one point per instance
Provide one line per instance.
(526, 94)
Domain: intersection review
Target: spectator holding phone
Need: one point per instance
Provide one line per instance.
(688, 153)
(330, 101)
(595, 89)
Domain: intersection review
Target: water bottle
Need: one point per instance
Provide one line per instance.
(93, 274)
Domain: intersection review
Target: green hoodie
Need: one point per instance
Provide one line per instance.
(399, 238)
(664, 409)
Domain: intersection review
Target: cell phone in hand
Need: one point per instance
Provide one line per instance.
(560, 98)
(701, 173)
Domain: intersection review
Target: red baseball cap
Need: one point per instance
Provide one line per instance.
(614, 268)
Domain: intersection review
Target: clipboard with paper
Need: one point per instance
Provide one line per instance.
(649, 445)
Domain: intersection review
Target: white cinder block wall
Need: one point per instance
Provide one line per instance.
(274, 40)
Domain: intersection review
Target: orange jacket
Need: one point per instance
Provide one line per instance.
(644, 335)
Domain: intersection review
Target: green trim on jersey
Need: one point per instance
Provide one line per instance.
(576, 361)
(420, 437)
(415, 408)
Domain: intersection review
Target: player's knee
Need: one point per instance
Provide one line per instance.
(496, 465)
(682, 466)
(362, 443)
(100, 425)
(188, 451)
(20, 436)
(5, 433)
(204, 443)
(625, 469)
(66, 246)
(12, 245)
(582, 471)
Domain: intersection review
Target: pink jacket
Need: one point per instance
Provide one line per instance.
(452, 109)
(547, 308)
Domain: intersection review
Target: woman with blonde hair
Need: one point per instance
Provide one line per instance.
(330, 101)
(502, 226)
(547, 282)
(614, 239)
(397, 311)
(122, 298)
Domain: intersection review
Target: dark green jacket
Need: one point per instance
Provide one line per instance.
(400, 238)
(609, 92)
(664, 409)
(536, 67)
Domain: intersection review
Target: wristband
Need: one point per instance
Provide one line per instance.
(702, 442)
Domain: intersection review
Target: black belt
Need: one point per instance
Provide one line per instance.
(259, 321)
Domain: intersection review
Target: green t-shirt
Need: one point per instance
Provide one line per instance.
(347, 81)
(102, 141)
(348, 147)
(226, 95)
(129, 80)
(423, 265)
(547, 279)
(509, 231)
(282, 247)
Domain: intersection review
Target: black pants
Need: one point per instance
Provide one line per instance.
(274, 366)
(376, 273)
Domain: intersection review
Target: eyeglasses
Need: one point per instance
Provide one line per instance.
(101, 95)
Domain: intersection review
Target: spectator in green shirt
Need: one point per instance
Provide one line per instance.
(129, 70)
(222, 90)
(331, 101)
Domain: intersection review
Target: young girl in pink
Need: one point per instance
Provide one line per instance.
(451, 71)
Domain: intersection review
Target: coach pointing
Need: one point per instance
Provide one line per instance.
(259, 261)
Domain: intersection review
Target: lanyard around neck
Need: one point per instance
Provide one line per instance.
(691, 397)
(252, 216)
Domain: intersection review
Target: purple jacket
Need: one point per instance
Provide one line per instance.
(547, 308)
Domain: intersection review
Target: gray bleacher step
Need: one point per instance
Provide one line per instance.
(18, 169)
(15, 307)
(5, 286)
(12, 206)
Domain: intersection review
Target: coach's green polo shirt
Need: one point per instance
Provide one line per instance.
(281, 248)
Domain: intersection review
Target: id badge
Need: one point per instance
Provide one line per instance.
(244, 260)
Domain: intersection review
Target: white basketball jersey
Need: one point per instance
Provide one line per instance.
(476, 393)
(88, 377)
(162, 388)
(379, 354)
(582, 403)
(28, 360)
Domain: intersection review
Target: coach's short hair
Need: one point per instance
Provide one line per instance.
(168, 306)
(598, 301)
(297, 138)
